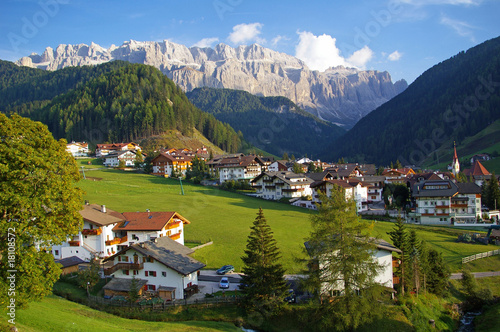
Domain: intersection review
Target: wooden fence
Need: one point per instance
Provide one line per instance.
(481, 255)
(208, 301)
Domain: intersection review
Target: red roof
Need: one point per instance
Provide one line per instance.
(476, 169)
(147, 221)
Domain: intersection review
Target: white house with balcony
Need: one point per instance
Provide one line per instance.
(78, 149)
(97, 237)
(162, 267)
(113, 158)
(444, 202)
(276, 185)
(105, 232)
(145, 226)
(238, 168)
(353, 189)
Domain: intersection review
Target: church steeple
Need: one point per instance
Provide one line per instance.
(455, 165)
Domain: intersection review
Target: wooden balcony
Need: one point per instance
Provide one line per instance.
(175, 224)
(123, 266)
(292, 190)
(95, 231)
(459, 205)
(74, 243)
(176, 236)
(117, 240)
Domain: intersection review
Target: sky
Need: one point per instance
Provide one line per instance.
(403, 37)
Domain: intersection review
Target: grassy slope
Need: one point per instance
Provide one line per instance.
(485, 141)
(175, 139)
(69, 316)
(226, 218)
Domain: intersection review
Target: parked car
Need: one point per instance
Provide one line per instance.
(224, 283)
(225, 269)
(291, 298)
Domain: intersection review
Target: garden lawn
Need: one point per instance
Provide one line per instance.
(57, 314)
(225, 218)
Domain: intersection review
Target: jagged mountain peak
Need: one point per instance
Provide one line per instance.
(341, 95)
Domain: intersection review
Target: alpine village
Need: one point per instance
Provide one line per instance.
(138, 196)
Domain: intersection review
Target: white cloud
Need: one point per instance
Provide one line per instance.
(244, 33)
(320, 52)
(395, 56)
(361, 57)
(206, 42)
(461, 28)
(277, 39)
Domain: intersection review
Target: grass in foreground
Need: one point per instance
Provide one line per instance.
(57, 314)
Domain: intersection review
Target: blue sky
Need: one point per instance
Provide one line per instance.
(404, 37)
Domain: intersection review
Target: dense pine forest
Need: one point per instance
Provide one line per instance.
(116, 101)
(454, 99)
(274, 124)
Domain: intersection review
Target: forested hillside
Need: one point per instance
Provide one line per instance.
(116, 101)
(274, 124)
(454, 99)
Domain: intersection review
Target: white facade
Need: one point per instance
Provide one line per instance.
(276, 185)
(78, 149)
(235, 173)
(93, 240)
(353, 190)
(113, 160)
(156, 273)
(175, 233)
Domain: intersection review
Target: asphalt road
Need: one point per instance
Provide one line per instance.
(476, 274)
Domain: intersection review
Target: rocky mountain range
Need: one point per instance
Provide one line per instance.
(340, 95)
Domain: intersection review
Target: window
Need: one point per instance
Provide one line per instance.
(151, 287)
(56, 252)
(136, 272)
(164, 274)
(126, 272)
(152, 273)
(146, 273)
(151, 260)
(124, 258)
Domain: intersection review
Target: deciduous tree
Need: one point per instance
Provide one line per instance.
(39, 206)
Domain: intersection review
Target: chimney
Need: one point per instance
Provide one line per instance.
(103, 208)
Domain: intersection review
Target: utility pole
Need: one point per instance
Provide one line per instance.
(182, 188)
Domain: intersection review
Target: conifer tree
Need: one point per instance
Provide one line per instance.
(399, 238)
(341, 264)
(264, 286)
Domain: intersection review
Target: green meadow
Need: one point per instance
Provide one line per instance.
(225, 218)
(57, 314)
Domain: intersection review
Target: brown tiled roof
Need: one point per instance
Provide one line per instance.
(168, 252)
(147, 221)
(93, 214)
(172, 158)
(476, 169)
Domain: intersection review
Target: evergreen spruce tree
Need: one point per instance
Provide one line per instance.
(264, 286)
(399, 238)
(492, 197)
(342, 268)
